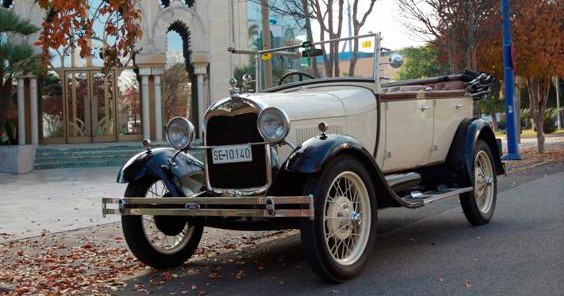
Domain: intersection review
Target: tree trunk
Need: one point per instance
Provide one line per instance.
(354, 57)
(494, 120)
(538, 97)
(5, 96)
(310, 36)
(540, 136)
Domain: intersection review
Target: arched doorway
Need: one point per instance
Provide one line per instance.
(179, 90)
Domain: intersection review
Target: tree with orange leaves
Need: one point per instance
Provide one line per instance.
(70, 23)
(539, 37)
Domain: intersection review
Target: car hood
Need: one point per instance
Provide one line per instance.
(300, 105)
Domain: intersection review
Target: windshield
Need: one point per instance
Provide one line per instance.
(345, 57)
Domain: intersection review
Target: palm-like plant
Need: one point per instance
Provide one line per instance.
(14, 58)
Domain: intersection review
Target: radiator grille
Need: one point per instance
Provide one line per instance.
(241, 129)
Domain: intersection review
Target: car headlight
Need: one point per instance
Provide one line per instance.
(180, 132)
(273, 124)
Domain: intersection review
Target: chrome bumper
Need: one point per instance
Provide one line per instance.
(263, 206)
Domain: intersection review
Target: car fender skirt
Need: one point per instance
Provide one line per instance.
(460, 155)
(159, 163)
(313, 154)
(478, 129)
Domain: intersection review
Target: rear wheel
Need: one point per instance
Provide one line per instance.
(338, 241)
(479, 204)
(159, 241)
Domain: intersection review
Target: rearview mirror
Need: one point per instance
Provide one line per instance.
(396, 60)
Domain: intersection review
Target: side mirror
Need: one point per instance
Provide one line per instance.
(396, 60)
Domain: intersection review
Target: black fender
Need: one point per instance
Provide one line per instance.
(313, 154)
(158, 163)
(461, 152)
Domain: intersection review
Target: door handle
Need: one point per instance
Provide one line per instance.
(424, 107)
(458, 106)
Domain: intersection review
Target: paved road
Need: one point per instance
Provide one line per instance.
(430, 251)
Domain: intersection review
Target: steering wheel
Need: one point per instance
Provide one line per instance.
(299, 73)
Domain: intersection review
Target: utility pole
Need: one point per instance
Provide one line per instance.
(509, 83)
(266, 43)
(557, 88)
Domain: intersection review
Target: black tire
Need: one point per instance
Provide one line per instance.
(313, 231)
(468, 201)
(139, 244)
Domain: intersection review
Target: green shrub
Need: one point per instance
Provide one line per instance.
(549, 124)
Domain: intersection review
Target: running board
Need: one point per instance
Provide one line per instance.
(427, 197)
(405, 181)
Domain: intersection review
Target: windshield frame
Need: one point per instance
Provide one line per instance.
(283, 51)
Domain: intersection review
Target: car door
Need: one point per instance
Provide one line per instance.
(450, 109)
(409, 130)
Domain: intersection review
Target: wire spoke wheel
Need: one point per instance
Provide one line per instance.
(346, 221)
(339, 239)
(153, 227)
(478, 205)
(483, 184)
(159, 241)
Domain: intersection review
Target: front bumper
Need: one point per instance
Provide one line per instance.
(262, 206)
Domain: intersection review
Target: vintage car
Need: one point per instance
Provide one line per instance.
(321, 155)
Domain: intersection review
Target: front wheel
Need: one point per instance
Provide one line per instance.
(338, 241)
(159, 241)
(479, 204)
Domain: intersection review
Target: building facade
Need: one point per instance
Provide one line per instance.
(76, 103)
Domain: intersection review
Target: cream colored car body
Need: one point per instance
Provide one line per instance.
(413, 133)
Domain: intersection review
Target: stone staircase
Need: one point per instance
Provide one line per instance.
(82, 156)
(91, 155)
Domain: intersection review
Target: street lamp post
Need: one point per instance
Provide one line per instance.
(509, 83)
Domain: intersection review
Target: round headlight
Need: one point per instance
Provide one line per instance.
(180, 132)
(273, 124)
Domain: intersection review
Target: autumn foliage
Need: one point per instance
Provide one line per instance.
(467, 34)
(538, 40)
(70, 22)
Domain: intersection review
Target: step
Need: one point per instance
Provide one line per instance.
(77, 157)
(435, 195)
(85, 154)
(88, 164)
(118, 160)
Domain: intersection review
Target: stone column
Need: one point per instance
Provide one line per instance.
(157, 73)
(145, 72)
(201, 70)
(21, 111)
(34, 111)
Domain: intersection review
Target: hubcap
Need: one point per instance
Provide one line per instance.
(167, 235)
(347, 218)
(483, 181)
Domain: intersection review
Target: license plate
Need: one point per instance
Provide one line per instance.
(232, 154)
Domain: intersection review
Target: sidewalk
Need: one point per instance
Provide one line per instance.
(554, 151)
(55, 200)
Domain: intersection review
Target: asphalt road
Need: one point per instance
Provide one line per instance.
(429, 251)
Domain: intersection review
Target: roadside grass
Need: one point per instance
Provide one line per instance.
(529, 133)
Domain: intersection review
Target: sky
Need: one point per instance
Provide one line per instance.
(384, 18)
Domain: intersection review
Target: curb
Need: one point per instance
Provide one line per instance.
(534, 165)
